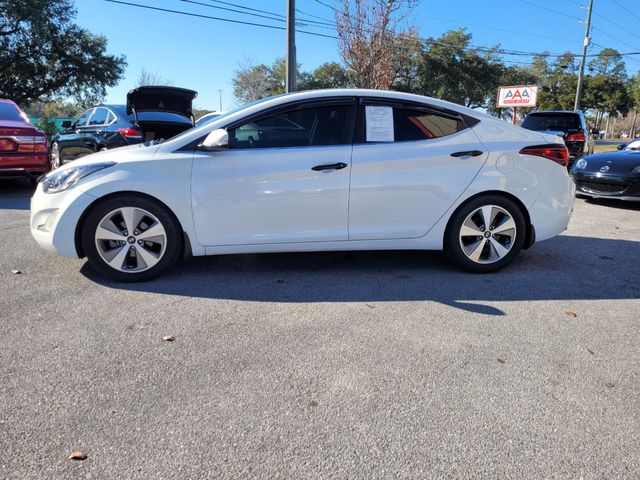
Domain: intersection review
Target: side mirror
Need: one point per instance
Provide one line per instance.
(595, 131)
(216, 140)
(621, 146)
(66, 124)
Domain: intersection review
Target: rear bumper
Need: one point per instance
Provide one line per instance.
(552, 210)
(12, 165)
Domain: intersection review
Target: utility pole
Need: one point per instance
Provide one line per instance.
(220, 92)
(585, 45)
(291, 46)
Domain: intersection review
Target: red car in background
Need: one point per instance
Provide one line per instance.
(23, 147)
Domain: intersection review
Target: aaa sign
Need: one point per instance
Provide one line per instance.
(518, 96)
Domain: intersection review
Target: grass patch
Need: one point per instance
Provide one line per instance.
(605, 148)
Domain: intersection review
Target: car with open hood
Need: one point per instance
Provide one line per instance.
(610, 174)
(152, 113)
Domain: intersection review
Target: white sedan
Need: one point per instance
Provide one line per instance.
(312, 171)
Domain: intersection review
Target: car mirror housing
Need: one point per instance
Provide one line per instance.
(66, 124)
(595, 131)
(216, 140)
(621, 146)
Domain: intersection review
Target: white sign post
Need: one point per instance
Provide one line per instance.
(517, 96)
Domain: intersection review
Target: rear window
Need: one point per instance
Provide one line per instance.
(162, 117)
(9, 111)
(556, 122)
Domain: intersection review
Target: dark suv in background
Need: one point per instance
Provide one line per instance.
(571, 126)
(151, 113)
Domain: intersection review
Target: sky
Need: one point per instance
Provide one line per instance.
(203, 54)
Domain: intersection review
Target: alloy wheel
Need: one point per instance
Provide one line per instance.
(130, 239)
(487, 234)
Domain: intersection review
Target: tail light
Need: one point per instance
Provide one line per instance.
(130, 132)
(576, 137)
(554, 151)
(9, 142)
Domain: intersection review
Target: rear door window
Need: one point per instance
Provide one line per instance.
(99, 117)
(82, 121)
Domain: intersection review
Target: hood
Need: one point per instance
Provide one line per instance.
(161, 99)
(618, 162)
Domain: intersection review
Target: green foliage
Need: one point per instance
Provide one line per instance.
(44, 54)
(253, 82)
(450, 70)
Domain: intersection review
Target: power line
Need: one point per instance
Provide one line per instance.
(630, 12)
(557, 12)
(221, 19)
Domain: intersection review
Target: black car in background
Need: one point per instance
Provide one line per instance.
(610, 174)
(151, 113)
(571, 126)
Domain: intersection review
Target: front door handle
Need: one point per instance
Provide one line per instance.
(333, 166)
(468, 153)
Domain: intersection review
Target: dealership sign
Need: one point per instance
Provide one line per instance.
(518, 96)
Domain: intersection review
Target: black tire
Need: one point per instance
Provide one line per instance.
(458, 245)
(172, 238)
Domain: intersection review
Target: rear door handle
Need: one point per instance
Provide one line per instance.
(332, 166)
(468, 153)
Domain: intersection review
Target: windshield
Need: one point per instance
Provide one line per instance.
(225, 114)
(9, 111)
(557, 122)
(635, 145)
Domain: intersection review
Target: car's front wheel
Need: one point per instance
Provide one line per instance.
(131, 238)
(485, 234)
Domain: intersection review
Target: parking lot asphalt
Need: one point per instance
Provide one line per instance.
(325, 365)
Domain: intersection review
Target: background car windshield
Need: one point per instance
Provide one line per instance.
(635, 145)
(10, 112)
(554, 122)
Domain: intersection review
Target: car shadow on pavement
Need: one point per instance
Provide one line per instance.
(15, 194)
(564, 268)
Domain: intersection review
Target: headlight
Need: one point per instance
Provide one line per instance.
(59, 180)
(580, 164)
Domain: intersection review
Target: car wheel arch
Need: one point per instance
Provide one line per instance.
(530, 233)
(185, 247)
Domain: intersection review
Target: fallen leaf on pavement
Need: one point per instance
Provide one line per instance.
(15, 271)
(78, 455)
(591, 351)
(571, 314)
(500, 360)
(168, 338)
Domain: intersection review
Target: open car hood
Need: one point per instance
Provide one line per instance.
(161, 99)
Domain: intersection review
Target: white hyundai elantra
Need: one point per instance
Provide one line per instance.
(312, 171)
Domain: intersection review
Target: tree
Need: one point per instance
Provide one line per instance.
(451, 70)
(253, 82)
(327, 75)
(634, 91)
(44, 54)
(145, 78)
(370, 34)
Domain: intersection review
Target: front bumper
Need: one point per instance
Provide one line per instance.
(598, 185)
(54, 218)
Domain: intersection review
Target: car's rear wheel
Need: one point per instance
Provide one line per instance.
(485, 234)
(131, 238)
(55, 156)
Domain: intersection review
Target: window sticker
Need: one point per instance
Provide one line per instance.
(379, 122)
